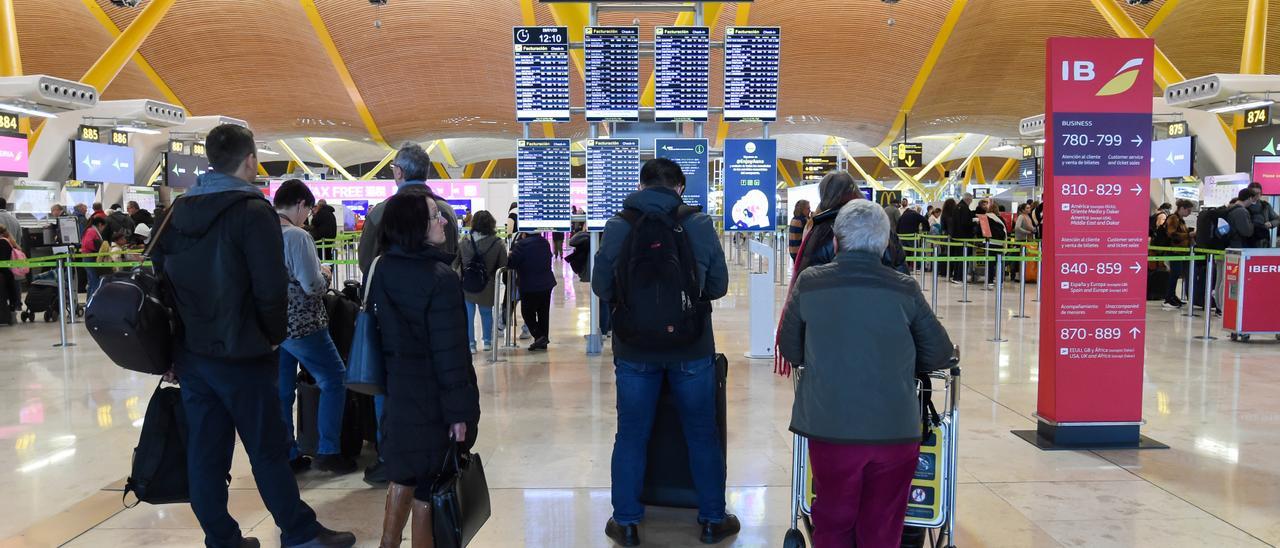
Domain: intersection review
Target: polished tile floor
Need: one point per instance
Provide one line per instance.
(69, 419)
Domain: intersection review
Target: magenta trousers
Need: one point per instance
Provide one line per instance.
(860, 492)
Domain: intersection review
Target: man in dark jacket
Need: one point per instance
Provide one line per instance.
(324, 226)
(1238, 217)
(530, 258)
(961, 226)
(690, 369)
(912, 222)
(865, 455)
(1264, 219)
(140, 216)
(222, 257)
(118, 221)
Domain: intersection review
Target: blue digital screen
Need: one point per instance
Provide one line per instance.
(691, 156)
(681, 68)
(542, 184)
(750, 184)
(1172, 158)
(612, 73)
(1028, 172)
(101, 163)
(613, 173)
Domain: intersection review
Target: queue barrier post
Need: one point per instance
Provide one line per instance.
(595, 339)
(509, 315)
(1191, 286)
(964, 274)
(999, 296)
(933, 297)
(1208, 300)
(499, 288)
(1022, 286)
(61, 273)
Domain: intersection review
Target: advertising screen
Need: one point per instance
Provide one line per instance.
(13, 156)
(1172, 158)
(101, 163)
(182, 170)
(750, 184)
(1266, 170)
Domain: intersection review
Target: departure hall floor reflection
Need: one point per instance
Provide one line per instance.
(72, 419)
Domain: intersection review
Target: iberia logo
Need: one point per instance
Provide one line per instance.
(1124, 79)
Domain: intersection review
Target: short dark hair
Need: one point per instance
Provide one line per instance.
(1255, 185)
(1165, 205)
(132, 204)
(661, 172)
(227, 146)
(292, 193)
(405, 221)
(96, 221)
(414, 161)
(1246, 194)
(1186, 204)
(483, 222)
(97, 206)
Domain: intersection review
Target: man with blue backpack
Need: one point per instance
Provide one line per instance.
(660, 265)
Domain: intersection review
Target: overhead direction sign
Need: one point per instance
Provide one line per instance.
(907, 154)
(1178, 129)
(814, 168)
(1028, 151)
(9, 123)
(1256, 117)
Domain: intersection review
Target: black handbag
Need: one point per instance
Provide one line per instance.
(366, 370)
(459, 499)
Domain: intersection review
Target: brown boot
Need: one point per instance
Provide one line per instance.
(422, 536)
(399, 501)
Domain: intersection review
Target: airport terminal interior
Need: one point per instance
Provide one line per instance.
(1109, 156)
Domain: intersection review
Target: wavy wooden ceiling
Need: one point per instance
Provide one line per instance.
(442, 68)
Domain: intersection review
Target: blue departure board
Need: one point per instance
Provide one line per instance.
(612, 74)
(542, 74)
(542, 184)
(692, 156)
(613, 173)
(751, 73)
(681, 65)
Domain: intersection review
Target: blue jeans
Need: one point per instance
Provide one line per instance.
(94, 279)
(221, 399)
(693, 384)
(486, 323)
(320, 356)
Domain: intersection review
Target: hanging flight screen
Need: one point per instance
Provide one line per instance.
(613, 173)
(542, 74)
(542, 184)
(681, 65)
(751, 73)
(613, 74)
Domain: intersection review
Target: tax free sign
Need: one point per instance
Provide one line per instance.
(1097, 172)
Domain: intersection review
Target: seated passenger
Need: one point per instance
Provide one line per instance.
(309, 341)
(432, 401)
(858, 406)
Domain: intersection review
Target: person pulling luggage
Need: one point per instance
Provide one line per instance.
(309, 341)
(660, 264)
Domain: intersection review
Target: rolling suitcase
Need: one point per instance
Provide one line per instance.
(667, 479)
(352, 438)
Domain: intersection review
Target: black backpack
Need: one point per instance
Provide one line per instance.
(1152, 225)
(159, 471)
(475, 274)
(131, 320)
(657, 297)
(1207, 228)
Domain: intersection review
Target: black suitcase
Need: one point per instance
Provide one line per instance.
(1157, 284)
(352, 438)
(667, 479)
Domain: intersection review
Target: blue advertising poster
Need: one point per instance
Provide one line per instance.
(1171, 158)
(461, 207)
(691, 156)
(750, 184)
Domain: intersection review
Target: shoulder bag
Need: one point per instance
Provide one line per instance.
(366, 370)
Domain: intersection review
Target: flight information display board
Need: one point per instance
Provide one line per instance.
(542, 184)
(681, 67)
(183, 170)
(101, 163)
(613, 173)
(751, 73)
(612, 74)
(691, 155)
(542, 74)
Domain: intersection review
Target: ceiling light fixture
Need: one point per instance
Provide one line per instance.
(127, 128)
(27, 110)
(1242, 106)
(265, 150)
(1003, 147)
(1039, 141)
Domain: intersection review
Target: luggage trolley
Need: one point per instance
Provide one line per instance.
(932, 502)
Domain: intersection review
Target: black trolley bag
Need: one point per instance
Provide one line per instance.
(359, 420)
(159, 471)
(667, 478)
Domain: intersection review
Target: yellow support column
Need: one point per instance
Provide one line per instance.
(108, 65)
(444, 150)
(285, 147)
(785, 176)
(152, 75)
(10, 59)
(1006, 169)
(374, 172)
(329, 159)
(1253, 55)
(440, 170)
(926, 68)
(488, 170)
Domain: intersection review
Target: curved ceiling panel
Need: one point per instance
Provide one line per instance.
(259, 61)
(44, 29)
(1205, 36)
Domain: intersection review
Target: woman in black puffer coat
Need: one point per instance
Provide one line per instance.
(431, 385)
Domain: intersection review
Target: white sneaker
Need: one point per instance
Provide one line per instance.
(524, 333)
(473, 349)
(488, 347)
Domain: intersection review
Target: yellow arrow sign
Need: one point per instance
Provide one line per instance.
(911, 162)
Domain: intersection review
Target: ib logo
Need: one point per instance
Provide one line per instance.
(1085, 71)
